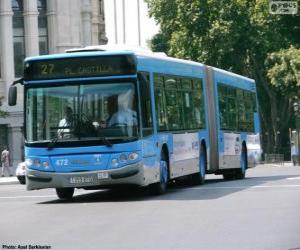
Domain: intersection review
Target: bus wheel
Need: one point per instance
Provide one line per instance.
(228, 176)
(65, 193)
(161, 186)
(241, 172)
(199, 178)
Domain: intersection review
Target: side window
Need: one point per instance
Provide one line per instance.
(249, 106)
(236, 108)
(188, 105)
(222, 106)
(144, 81)
(160, 103)
(173, 103)
(198, 103)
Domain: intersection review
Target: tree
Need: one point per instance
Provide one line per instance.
(236, 35)
(284, 71)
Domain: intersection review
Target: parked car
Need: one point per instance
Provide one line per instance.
(20, 172)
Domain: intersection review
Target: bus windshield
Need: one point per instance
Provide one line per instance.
(80, 112)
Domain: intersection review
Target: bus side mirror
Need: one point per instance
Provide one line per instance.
(12, 96)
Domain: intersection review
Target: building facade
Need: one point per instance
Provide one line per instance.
(37, 27)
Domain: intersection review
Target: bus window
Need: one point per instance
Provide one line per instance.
(236, 109)
(160, 103)
(173, 103)
(146, 103)
(198, 103)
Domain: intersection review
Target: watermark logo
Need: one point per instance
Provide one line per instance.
(283, 7)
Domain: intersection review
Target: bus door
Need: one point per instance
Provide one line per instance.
(149, 141)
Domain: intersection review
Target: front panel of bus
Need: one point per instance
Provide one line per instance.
(82, 122)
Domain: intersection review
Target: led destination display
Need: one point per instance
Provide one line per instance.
(80, 67)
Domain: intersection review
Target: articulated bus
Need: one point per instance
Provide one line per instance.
(97, 118)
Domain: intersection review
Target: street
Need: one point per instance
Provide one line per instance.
(260, 212)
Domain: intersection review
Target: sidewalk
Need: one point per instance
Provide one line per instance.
(277, 164)
(8, 180)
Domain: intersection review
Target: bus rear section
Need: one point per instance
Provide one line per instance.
(238, 127)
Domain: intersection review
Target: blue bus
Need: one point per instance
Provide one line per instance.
(97, 118)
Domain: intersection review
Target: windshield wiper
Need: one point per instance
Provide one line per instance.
(53, 142)
(105, 141)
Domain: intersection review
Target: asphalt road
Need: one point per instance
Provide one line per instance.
(260, 212)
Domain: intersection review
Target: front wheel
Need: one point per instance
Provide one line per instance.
(65, 193)
(161, 186)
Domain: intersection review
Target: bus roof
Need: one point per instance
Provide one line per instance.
(141, 54)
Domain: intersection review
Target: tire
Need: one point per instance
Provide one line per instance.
(161, 186)
(65, 193)
(229, 176)
(199, 178)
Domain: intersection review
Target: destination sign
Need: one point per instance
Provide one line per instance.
(91, 66)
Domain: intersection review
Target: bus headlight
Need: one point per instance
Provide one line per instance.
(45, 164)
(123, 158)
(114, 163)
(133, 156)
(28, 162)
(37, 162)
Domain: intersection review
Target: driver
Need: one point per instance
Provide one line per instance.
(124, 116)
(65, 122)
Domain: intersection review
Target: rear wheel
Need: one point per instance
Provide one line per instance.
(199, 178)
(229, 176)
(65, 193)
(241, 172)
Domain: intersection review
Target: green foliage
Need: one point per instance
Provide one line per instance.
(284, 70)
(239, 36)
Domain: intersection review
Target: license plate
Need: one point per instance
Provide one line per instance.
(81, 179)
(102, 175)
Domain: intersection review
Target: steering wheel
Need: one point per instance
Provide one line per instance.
(118, 125)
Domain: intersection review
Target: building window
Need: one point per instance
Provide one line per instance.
(18, 36)
(101, 9)
(43, 27)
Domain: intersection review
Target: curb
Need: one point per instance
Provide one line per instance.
(10, 181)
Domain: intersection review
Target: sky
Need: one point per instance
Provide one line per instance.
(148, 27)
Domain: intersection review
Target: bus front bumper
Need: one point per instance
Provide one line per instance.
(131, 174)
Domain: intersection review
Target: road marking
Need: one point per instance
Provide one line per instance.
(41, 196)
(294, 178)
(249, 187)
(27, 196)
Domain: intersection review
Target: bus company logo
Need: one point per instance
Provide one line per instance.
(97, 158)
(283, 7)
(195, 145)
